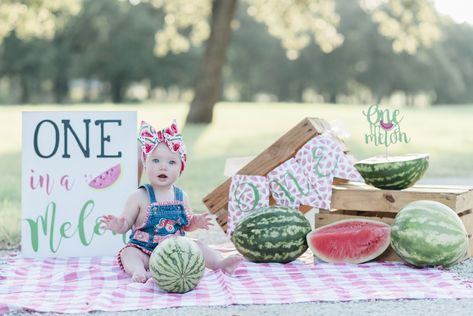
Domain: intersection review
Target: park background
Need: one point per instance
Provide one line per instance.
(237, 75)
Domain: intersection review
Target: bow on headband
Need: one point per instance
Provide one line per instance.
(150, 138)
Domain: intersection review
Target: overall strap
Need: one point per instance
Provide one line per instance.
(149, 189)
(178, 195)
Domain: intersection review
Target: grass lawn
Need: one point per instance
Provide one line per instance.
(245, 129)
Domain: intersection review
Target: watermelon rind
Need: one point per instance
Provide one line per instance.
(272, 234)
(177, 264)
(429, 233)
(362, 247)
(393, 172)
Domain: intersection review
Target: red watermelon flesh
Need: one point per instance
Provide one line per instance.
(350, 240)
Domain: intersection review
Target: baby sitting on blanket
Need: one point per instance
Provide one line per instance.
(160, 209)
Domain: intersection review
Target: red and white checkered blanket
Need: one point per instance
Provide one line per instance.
(90, 284)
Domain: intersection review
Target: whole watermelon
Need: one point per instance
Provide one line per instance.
(177, 264)
(272, 234)
(429, 233)
(393, 172)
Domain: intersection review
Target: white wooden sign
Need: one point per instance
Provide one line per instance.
(76, 167)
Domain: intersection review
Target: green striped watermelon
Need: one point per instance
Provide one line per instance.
(429, 233)
(272, 234)
(393, 173)
(177, 264)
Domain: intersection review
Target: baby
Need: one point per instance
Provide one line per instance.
(159, 209)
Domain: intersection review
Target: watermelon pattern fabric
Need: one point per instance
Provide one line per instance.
(322, 159)
(177, 264)
(395, 172)
(290, 187)
(247, 193)
(272, 234)
(429, 233)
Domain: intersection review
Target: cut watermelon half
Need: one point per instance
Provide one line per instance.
(350, 240)
(394, 172)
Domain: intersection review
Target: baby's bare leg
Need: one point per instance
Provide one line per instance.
(135, 263)
(214, 260)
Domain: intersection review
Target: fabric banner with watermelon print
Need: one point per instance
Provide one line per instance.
(305, 179)
(321, 160)
(289, 185)
(247, 193)
(76, 167)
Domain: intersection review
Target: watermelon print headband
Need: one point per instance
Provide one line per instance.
(150, 139)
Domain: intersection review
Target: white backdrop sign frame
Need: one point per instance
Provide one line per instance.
(76, 167)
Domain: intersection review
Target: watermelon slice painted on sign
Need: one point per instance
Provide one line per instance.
(106, 178)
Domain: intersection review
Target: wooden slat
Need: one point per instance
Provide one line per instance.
(283, 149)
(222, 218)
(362, 197)
(455, 189)
(467, 219)
(465, 200)
(470, 249)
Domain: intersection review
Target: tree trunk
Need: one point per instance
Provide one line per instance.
(209, 77)
(300, 87)
(118, 88)
(25, 90)
(87, 91)
(332, 97)
(61, 90)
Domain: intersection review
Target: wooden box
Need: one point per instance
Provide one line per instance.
(283, 149)
(357, 200)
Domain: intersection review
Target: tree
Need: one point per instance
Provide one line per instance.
(35, 18)
(27, 24)
(113, 41)
(24, 62)
(453, 71)
(181, 24)
(207, 89)
(408, 23)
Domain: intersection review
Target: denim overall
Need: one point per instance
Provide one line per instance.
(162, 220)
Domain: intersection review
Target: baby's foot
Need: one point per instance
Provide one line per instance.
(140, 277)
(230, 263)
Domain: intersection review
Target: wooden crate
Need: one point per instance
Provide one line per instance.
(357, 200)
(283, 149)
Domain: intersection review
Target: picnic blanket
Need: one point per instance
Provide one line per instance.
(69, 285)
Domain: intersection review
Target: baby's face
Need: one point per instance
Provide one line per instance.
(163, 167)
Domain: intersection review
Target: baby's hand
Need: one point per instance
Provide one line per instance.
(112, 222)
(201, 221)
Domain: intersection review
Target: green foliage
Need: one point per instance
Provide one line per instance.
(116, 43)
(113, 43)
(453, 71)
(25, 62)
(35, 18)
(410, 24)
